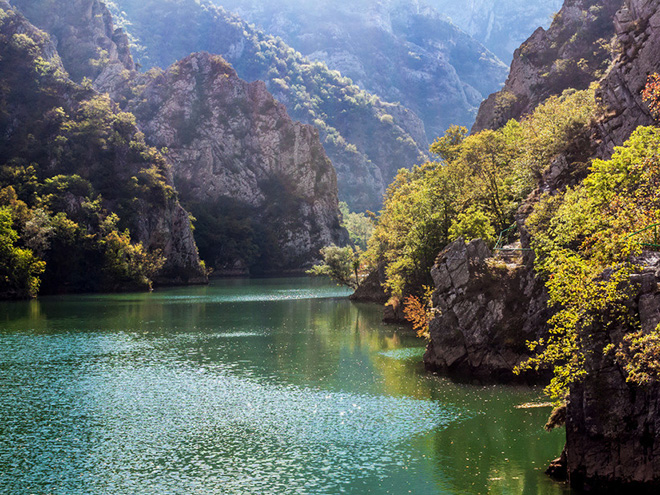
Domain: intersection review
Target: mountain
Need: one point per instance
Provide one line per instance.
(366, 138)
(401, 51)
(572, 53)
(75, 172)
(260, 185)
(501, 25)
(262, 189)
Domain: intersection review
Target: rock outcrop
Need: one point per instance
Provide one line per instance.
(367, 138)
(489, 307)
(572, 53)
(83, 34)
(36, 102)
(638, 43)
(612, 426)
(230, 140)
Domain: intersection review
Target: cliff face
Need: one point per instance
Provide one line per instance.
(488, 308)
(83, 34)
(638, 42)
(402, 51)
(572, 53)
(367, 139)
(230, 142)
(613, 427)
(63, 130)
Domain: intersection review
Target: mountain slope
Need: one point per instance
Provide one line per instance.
(83, 168)
(367, 139)
(572, 53)
(501, 25)
(261, 185)
(399, 50)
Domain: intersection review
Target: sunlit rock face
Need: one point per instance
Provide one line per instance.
(637, 27)
(487, 308)
(229, 139)
(572, 53)
(367, 138)
(83, 33)
(400, 50)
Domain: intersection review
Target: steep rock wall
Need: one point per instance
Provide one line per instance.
(572, 53)
(488, 309)
(229, 139)
(638, 41)
(613, 427)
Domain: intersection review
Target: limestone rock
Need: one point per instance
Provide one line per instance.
(572, 53)
(229, 139)
(83, 33)
(488, 308)
(637, 27)
(367, 138)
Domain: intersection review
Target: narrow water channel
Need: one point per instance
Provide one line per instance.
(248, 387)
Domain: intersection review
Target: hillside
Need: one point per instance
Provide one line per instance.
(572, 53)
(76, 173)
(401, 51)
(366, 138)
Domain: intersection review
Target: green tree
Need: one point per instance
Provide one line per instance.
(19, 268)
(339, 264)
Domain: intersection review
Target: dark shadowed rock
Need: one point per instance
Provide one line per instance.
(612, 426)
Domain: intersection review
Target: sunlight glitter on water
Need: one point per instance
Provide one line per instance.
(247, 435)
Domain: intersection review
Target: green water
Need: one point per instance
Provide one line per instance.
(248, 387)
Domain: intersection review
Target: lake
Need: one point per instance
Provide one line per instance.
(279, 386)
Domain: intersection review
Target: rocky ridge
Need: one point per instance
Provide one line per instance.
(160, 224)
(400, 50)
(637, 27)
(83, 34)
(229, 139)
(367, 139)
(572, 53)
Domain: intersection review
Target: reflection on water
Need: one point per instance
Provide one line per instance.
(272, 386)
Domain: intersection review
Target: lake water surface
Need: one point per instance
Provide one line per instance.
(248, 387)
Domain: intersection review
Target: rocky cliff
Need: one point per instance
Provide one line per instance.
(367, 139)
(488, 308)
(637, 27)
(612, 426)
(572, 53)
(401, 51)
(231, 143)
(65, 132)
(83, 34)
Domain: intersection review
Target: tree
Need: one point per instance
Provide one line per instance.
(19, 268)
(340, 264)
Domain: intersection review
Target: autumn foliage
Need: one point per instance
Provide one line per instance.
(651, 94)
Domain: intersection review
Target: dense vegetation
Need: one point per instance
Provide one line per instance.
(473, 190)
(584, 241)
(75, 175)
